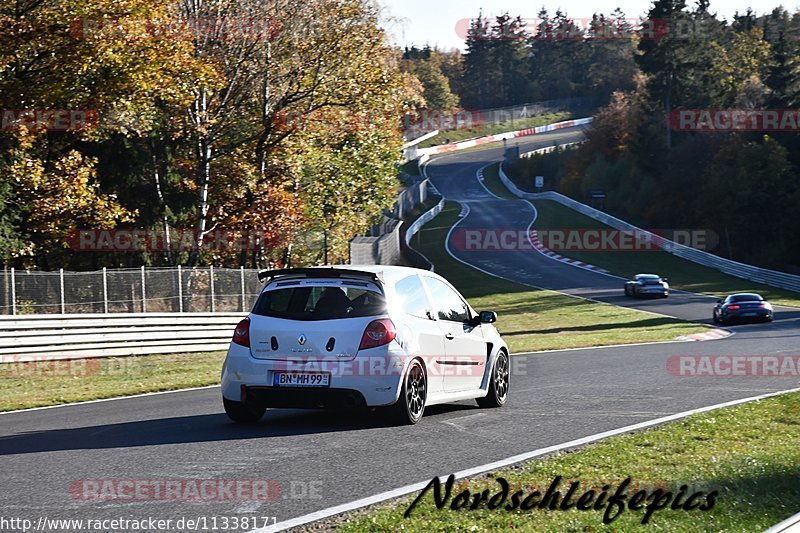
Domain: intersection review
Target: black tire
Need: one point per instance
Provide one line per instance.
(627, 291)
(498, 383)
(715, 318)
(410, 407)
(244, 413)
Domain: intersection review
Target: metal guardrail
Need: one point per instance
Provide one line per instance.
(426, 217)
(740, 270)
(50, 337)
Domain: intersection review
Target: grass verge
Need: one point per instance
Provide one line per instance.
(454, 136)
(682, 274)
(42, 383)
(747, 453)
(531, 319)
(491, 179)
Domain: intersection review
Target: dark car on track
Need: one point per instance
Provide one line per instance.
(742, 307)
(647, 285)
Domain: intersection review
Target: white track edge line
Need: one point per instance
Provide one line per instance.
(787, 526)
(408, 489)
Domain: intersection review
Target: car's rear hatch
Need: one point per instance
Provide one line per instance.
(314, 319)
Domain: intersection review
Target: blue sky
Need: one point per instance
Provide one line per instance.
(434, 21)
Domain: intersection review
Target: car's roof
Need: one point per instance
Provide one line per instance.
(647, 276)
(385, 272)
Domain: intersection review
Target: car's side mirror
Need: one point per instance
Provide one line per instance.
(664, 279)
(719, 301)
(487, 317)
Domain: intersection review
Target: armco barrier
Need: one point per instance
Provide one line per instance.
(33, 337)
(726, 266)
(426, 217)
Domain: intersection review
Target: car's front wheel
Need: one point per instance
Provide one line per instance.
(245, 413)
(498, 383)
(413, 394)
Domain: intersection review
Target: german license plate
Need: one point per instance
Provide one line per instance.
(302, 379)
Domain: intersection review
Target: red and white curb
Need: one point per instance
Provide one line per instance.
(710, 335)
(471, 143)
(558, 257)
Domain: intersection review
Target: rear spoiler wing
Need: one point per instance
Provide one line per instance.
(328, 272)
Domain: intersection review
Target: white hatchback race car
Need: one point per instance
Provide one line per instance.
(372, 336)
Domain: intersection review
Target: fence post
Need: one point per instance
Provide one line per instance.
(180, 291)
(61, 283)
(13, 293)
(211, 283)
(241, 273)
(105, 290)
(144, 293)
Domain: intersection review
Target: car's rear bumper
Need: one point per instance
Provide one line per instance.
(745, 316)
(654, 294)
(352, 384)
(303, 398)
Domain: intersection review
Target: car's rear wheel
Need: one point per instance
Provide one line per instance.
(715, 317)
(242, 412)
(627, 291)
(413, 394)
(498, 383)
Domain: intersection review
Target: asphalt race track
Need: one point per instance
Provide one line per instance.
(323, 459)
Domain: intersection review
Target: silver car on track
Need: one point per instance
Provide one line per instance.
(643, 285)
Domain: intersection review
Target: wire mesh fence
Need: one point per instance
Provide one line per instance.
(142, 290)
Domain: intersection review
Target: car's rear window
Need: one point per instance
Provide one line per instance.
(746, 298)
(651, 281)
(306, 302)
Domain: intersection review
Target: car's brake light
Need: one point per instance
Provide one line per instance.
(763, 304)
(734, 307)
(241, 335)
(378, 333)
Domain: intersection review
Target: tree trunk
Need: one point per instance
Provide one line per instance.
(203, 173)
(162, 206)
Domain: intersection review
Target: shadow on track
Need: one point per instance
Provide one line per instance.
(204, 428)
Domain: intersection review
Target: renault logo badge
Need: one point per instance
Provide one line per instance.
(301, 339)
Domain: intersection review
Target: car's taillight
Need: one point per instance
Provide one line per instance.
(378, 333)
(734, 307)
(241, 335)
(762, 304)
